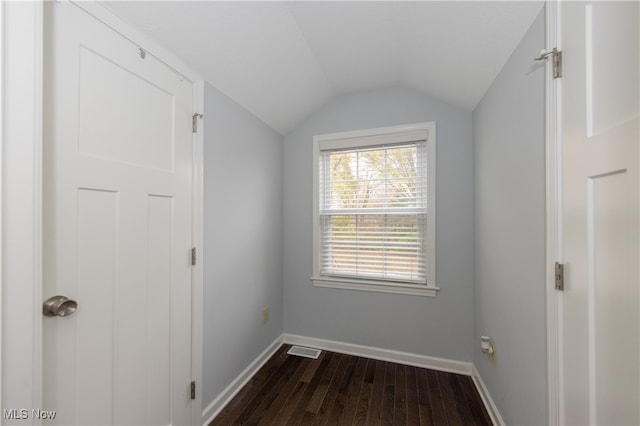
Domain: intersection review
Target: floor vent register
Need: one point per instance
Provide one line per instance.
(305, 352)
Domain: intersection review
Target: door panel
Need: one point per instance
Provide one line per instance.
(612, 83)
(612, 299)
(600, 321)
(94, 338)
(117, 226)
(145, 110)
(159, 253)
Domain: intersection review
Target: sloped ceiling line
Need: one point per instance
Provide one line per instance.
(283, 60)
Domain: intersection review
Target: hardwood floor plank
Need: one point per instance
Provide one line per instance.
(300, 388)
(287, 388)
(400, 400)
(338, 414)
(283, 416)
(424, 398)
(466, 418)
(307, 419)
(435, 399)
(389, 393)
(254, 411)
(311, 369)
(300, 409)
(375, 406)
(340, 389)
(478, 410)
(344, 369)
(323, 386)
(448, 399)
(354, 391)
(364, 399)
(413, 405)
(228, 415)
(370, 372)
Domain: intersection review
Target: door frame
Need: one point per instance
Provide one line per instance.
(21, 205)
(553, 190)
(21, 70)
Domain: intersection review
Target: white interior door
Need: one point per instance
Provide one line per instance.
(599, 309)
(117, 227)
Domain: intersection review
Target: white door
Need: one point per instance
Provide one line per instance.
(600, 320)
(117, 227)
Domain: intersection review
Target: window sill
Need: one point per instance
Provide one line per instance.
(379, 287)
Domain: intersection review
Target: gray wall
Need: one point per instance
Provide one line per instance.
(440, 326)
(242, 239)
(508, 137)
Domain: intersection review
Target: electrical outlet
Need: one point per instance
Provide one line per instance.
(265, 315)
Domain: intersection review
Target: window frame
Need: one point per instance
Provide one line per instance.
(371, 138)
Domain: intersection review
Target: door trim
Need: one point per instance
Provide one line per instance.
(20, 346)
(553, 190)
(197, 273)
(21, 195)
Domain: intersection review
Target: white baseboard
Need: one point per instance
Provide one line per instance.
(212, 410)
(406, 358)
(496, 418)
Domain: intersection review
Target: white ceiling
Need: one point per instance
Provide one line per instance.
(283, 60)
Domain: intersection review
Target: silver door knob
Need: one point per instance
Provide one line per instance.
(58, 306)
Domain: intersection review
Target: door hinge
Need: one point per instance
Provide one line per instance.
(194, 122)
(193, 389)
(194, 256)
(556, 57)
(559, 274)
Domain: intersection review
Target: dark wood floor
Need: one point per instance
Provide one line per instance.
(338, 389)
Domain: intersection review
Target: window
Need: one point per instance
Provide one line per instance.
(374, 210)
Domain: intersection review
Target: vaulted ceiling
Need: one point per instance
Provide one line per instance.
(283, 60)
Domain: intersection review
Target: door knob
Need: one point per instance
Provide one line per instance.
(58, 306)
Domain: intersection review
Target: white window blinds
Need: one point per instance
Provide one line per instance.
(373, 212)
